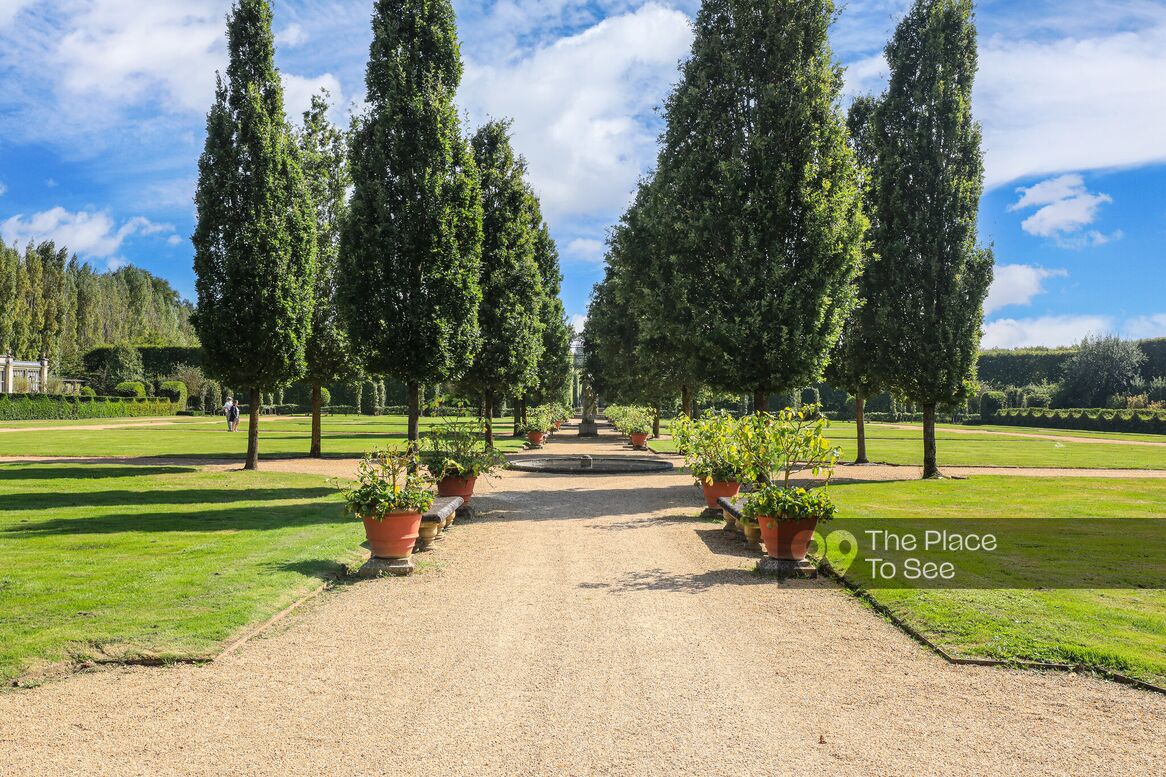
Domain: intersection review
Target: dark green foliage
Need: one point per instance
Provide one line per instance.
(88, 392)
(130, 388)
(1101, 368)
(155, 361)
(556, 361)
(507, 359)
(759, 194)
(991, 403)
(323, 152)
(1022, 366)
(926, 185)
(1091, 420)
(122, 363)
(411, 245)
(1155, 364)
(255, 241)
(175, 391)
(43, 407)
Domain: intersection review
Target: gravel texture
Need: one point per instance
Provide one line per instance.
(582, 626)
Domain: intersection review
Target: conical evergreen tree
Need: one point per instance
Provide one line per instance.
(255, 241)
(764, 194)
(324, 155)
(928, 179)
(412, 241)
(554, 364)
(506, 363)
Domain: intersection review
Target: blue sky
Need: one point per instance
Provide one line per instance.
(102, 104)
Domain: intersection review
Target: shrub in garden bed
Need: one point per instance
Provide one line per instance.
(46, 407)
(1088, 419)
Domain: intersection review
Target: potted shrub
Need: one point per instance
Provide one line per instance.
(538, 423)
(712, 452)
(787, 518)
(391, 492)
(638, 426)
(457, 456)
(774, 448)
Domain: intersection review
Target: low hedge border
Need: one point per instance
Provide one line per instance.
(49, 407)
(1084, 419)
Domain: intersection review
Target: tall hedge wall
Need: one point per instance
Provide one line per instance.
(1025, 366)
(1137, 421)
(48, 407)
(156, 359)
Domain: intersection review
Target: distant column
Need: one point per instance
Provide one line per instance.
(8, 376)
(44, 376)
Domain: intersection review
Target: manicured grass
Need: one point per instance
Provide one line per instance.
(1068, 532)
(905, 446)
(343, 436)
(121, 561)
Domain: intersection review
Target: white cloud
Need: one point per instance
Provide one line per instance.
(1051, 331)
(586, 250)
(115, 263)
(292, 35)
(1017, 284)
(1146, 327)
(10, 9)
(1076, 101)
(578, 322)
(583, 106)
(298, 92)
(1066, 207)
(87, 233)
(3, 189)
(174, 240)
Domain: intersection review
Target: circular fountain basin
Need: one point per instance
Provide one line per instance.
(591, 465)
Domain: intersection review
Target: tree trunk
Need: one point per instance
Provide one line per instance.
(414, 414)
(686, 401)
(315, 453)
(656, 423)
(519, 416)
(253, 432)
(930, 467)
(860, 419)
(760, 401)
(488, 404)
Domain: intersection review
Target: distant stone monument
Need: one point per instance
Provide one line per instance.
(589, 428)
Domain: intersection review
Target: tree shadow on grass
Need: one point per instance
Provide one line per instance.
(182, 496)
(659, 580)
(252, 518)
(41, 471)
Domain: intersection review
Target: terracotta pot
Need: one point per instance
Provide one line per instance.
(787, 540)
(535, 438)
(456, 486)
(752, 533)
(639, 440)
(714, 491)
(558, 426)
(394, 535)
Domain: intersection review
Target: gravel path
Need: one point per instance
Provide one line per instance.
(582, 626)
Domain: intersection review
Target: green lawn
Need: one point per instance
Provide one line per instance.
(119, 561)
(905, 446)
(343, 436)
(1066, 533)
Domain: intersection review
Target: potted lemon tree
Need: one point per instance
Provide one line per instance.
(775, 448)
(713, 453)
(391, 492)
(457, 455)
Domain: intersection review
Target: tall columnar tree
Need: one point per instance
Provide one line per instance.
(506, 362)
(255, 241)
(853, 363)
(324, 156)
(411, 245)
(764, 190)
(555, 364)
(927, 183)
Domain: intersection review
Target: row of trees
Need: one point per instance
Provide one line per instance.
(398, 248)
(57, 307)
(778, 240)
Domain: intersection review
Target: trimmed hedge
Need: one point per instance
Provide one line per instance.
(1023, 366)
(131, 388)
(156, 359)
(174, 390)
(47, 407)
(1089, 420)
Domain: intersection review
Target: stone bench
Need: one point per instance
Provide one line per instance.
(433, 521)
